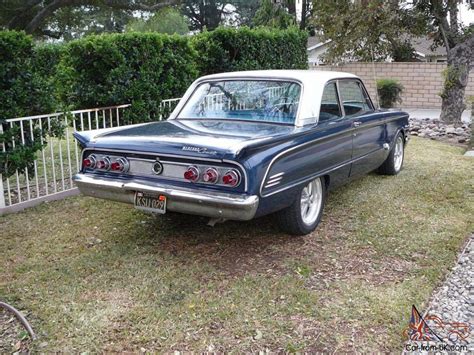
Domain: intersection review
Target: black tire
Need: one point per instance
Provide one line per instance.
(390, 165)
(290, 219)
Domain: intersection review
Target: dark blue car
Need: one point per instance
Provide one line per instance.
(246, 144)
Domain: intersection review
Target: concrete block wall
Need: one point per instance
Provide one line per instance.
(422, 81)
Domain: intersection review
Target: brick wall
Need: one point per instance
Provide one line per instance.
(422, 81)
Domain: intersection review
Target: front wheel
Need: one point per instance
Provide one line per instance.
(393, 164)
(304, 215)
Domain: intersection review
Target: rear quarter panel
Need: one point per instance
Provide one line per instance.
(278, 171)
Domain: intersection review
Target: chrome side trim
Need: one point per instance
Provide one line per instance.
(246, 182)
(318, 174)
(179, 199)
(271, 181)
(272, 184)
(276, 175)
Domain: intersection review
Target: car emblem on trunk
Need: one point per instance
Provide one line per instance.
(201, 150)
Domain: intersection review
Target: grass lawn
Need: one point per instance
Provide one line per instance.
(97, 275)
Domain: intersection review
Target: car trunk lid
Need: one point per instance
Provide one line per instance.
(216, 139)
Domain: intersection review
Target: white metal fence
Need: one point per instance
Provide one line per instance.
(50, 175)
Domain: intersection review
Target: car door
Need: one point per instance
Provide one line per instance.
(368, 128)
(335, 152)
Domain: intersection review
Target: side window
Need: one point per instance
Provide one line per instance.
(330, 108)
(354, 98)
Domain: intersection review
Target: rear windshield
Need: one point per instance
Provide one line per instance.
(253, 100)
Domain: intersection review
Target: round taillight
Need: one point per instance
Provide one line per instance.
(231, 178)
(191, 174)
(120, 165)
(103, 164)
(210, 175)
(89, 162)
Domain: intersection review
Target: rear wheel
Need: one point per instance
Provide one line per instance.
(304, 215)
(394, 162)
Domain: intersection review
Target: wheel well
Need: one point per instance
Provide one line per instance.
(326, 181)
(402, 131)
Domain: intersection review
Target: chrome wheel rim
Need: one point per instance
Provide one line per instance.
(398, 154)
(311, 201)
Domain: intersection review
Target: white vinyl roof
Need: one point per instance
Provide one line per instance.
(312, 81)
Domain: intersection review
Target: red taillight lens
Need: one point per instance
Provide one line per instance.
(231, 178)
(120, 165)
(103, 164)
(89, 162)
(191, 174)
(210, 175)
(116, 166)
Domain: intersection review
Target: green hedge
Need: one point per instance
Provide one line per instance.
(26, 88)
(23, 90)
(137, 68)
(227, 49)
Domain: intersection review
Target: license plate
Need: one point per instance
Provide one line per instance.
(150, 203)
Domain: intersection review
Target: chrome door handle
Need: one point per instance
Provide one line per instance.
(357, 123)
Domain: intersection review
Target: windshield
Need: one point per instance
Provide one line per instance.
(253, 100)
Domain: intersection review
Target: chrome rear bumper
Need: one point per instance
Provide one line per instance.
(183, 200)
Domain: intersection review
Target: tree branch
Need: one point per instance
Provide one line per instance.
(48, 10)
(23, 12)
(132, 5)
(441, 16)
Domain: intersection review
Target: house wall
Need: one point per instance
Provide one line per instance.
(422, 81)
(314, 55)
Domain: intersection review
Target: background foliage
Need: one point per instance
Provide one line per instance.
(27, 88)
(137, 68)
(167, 20)
(23, 92)
(227, 49)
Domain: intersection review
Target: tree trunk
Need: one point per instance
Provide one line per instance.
(304, 7)
(460, 60)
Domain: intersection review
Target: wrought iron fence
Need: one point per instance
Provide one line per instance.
(50, 175)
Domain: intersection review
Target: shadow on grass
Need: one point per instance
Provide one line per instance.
(231, 247)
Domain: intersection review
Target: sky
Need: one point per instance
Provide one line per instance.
(466, 14)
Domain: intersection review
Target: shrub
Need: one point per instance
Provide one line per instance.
(46, 58)
(137, 68)
(389, 92)
(24, 92)
(228, 49)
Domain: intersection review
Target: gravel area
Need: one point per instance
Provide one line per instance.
(438, 130)
(453, 304)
